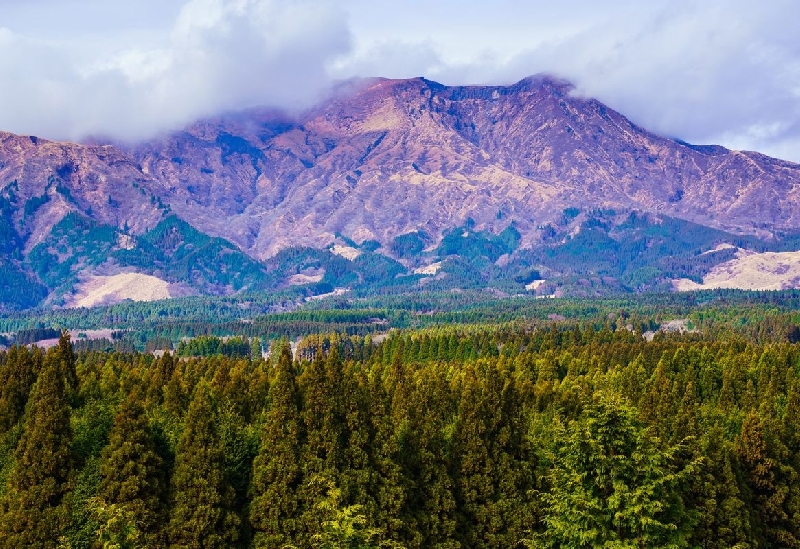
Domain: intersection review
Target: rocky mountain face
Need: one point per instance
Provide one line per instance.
(395, 156)
(380, 160)
(42, 181)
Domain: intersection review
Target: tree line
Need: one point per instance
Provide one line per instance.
(448, 437)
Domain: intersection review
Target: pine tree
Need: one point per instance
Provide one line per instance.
(723, 516)
(34, 514)
(491, 468)
(66, 360)
(160, 375)
(132, 472)
(473, 464)
(255, 349)
(274, 508)
(356, 472)
(433, 503)
(769, 480)
(389, 487)
(202, 504)
(325, 432)
(17, 377)
(324, 429)
(612, 486)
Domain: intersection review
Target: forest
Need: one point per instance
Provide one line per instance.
(489, 435)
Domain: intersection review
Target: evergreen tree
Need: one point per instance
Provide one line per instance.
(356, 474)
(17, 376)
(388, 488)
(611, 486)
(723, 516)
(202, 512)
(433, 503)
(325, 432)
(133, 474)
(274, 509)
(769, 480)
(491, 468)
(34, 514)
(255, 349)
(66, 360)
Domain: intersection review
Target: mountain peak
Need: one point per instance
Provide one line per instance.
(383, 157)
(545, 81)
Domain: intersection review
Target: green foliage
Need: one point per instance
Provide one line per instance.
(178, 252)
(34, 203)
(117, 526)
(10, 240)
(202, 513)
(133, 485)
(640, 250)
(18, 290)
(368, 272)
(17, 376)
(485, 425)
(612, 485)
(34, 514)
(275, 508)
(587, 254)
(345, 527)
(74, 243)
(409, 244)
(234, 347)
(470, 245)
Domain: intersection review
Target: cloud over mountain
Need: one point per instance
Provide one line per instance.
(724, 71)
(220, 55)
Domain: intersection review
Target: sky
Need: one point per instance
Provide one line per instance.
(705, 71)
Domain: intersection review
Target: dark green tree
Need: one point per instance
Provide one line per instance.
(491, 467)
(612, 486)
(133, 474)
(274, 509)
(17, 377)
(66, 360)
(325, 432)
(432, 503)
(202, 512)
(34, 514)
(768, 479)
(723, 520)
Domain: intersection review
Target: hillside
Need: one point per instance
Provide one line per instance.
(435, 156)
(419, 183)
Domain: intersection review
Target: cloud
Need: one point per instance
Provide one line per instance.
(220, 55)
(717, 71)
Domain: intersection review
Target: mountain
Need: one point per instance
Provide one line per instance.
(473, 184)
(435, 156)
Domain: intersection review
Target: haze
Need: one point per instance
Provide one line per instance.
(724, 72)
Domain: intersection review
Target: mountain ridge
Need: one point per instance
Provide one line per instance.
(384, 164)
(535, 146)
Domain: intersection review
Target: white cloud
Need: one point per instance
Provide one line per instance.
(220, 55)
(718, 71)
(725, 71)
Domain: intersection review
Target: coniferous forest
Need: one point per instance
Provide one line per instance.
(484, 436)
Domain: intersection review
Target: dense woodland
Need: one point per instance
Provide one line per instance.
(491, 436)
(146, 326)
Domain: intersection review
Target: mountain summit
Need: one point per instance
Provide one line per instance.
(385, 158)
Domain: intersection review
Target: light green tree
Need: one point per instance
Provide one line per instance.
(613, 486)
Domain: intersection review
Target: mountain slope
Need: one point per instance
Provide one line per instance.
(462, 185)
(434, 156)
